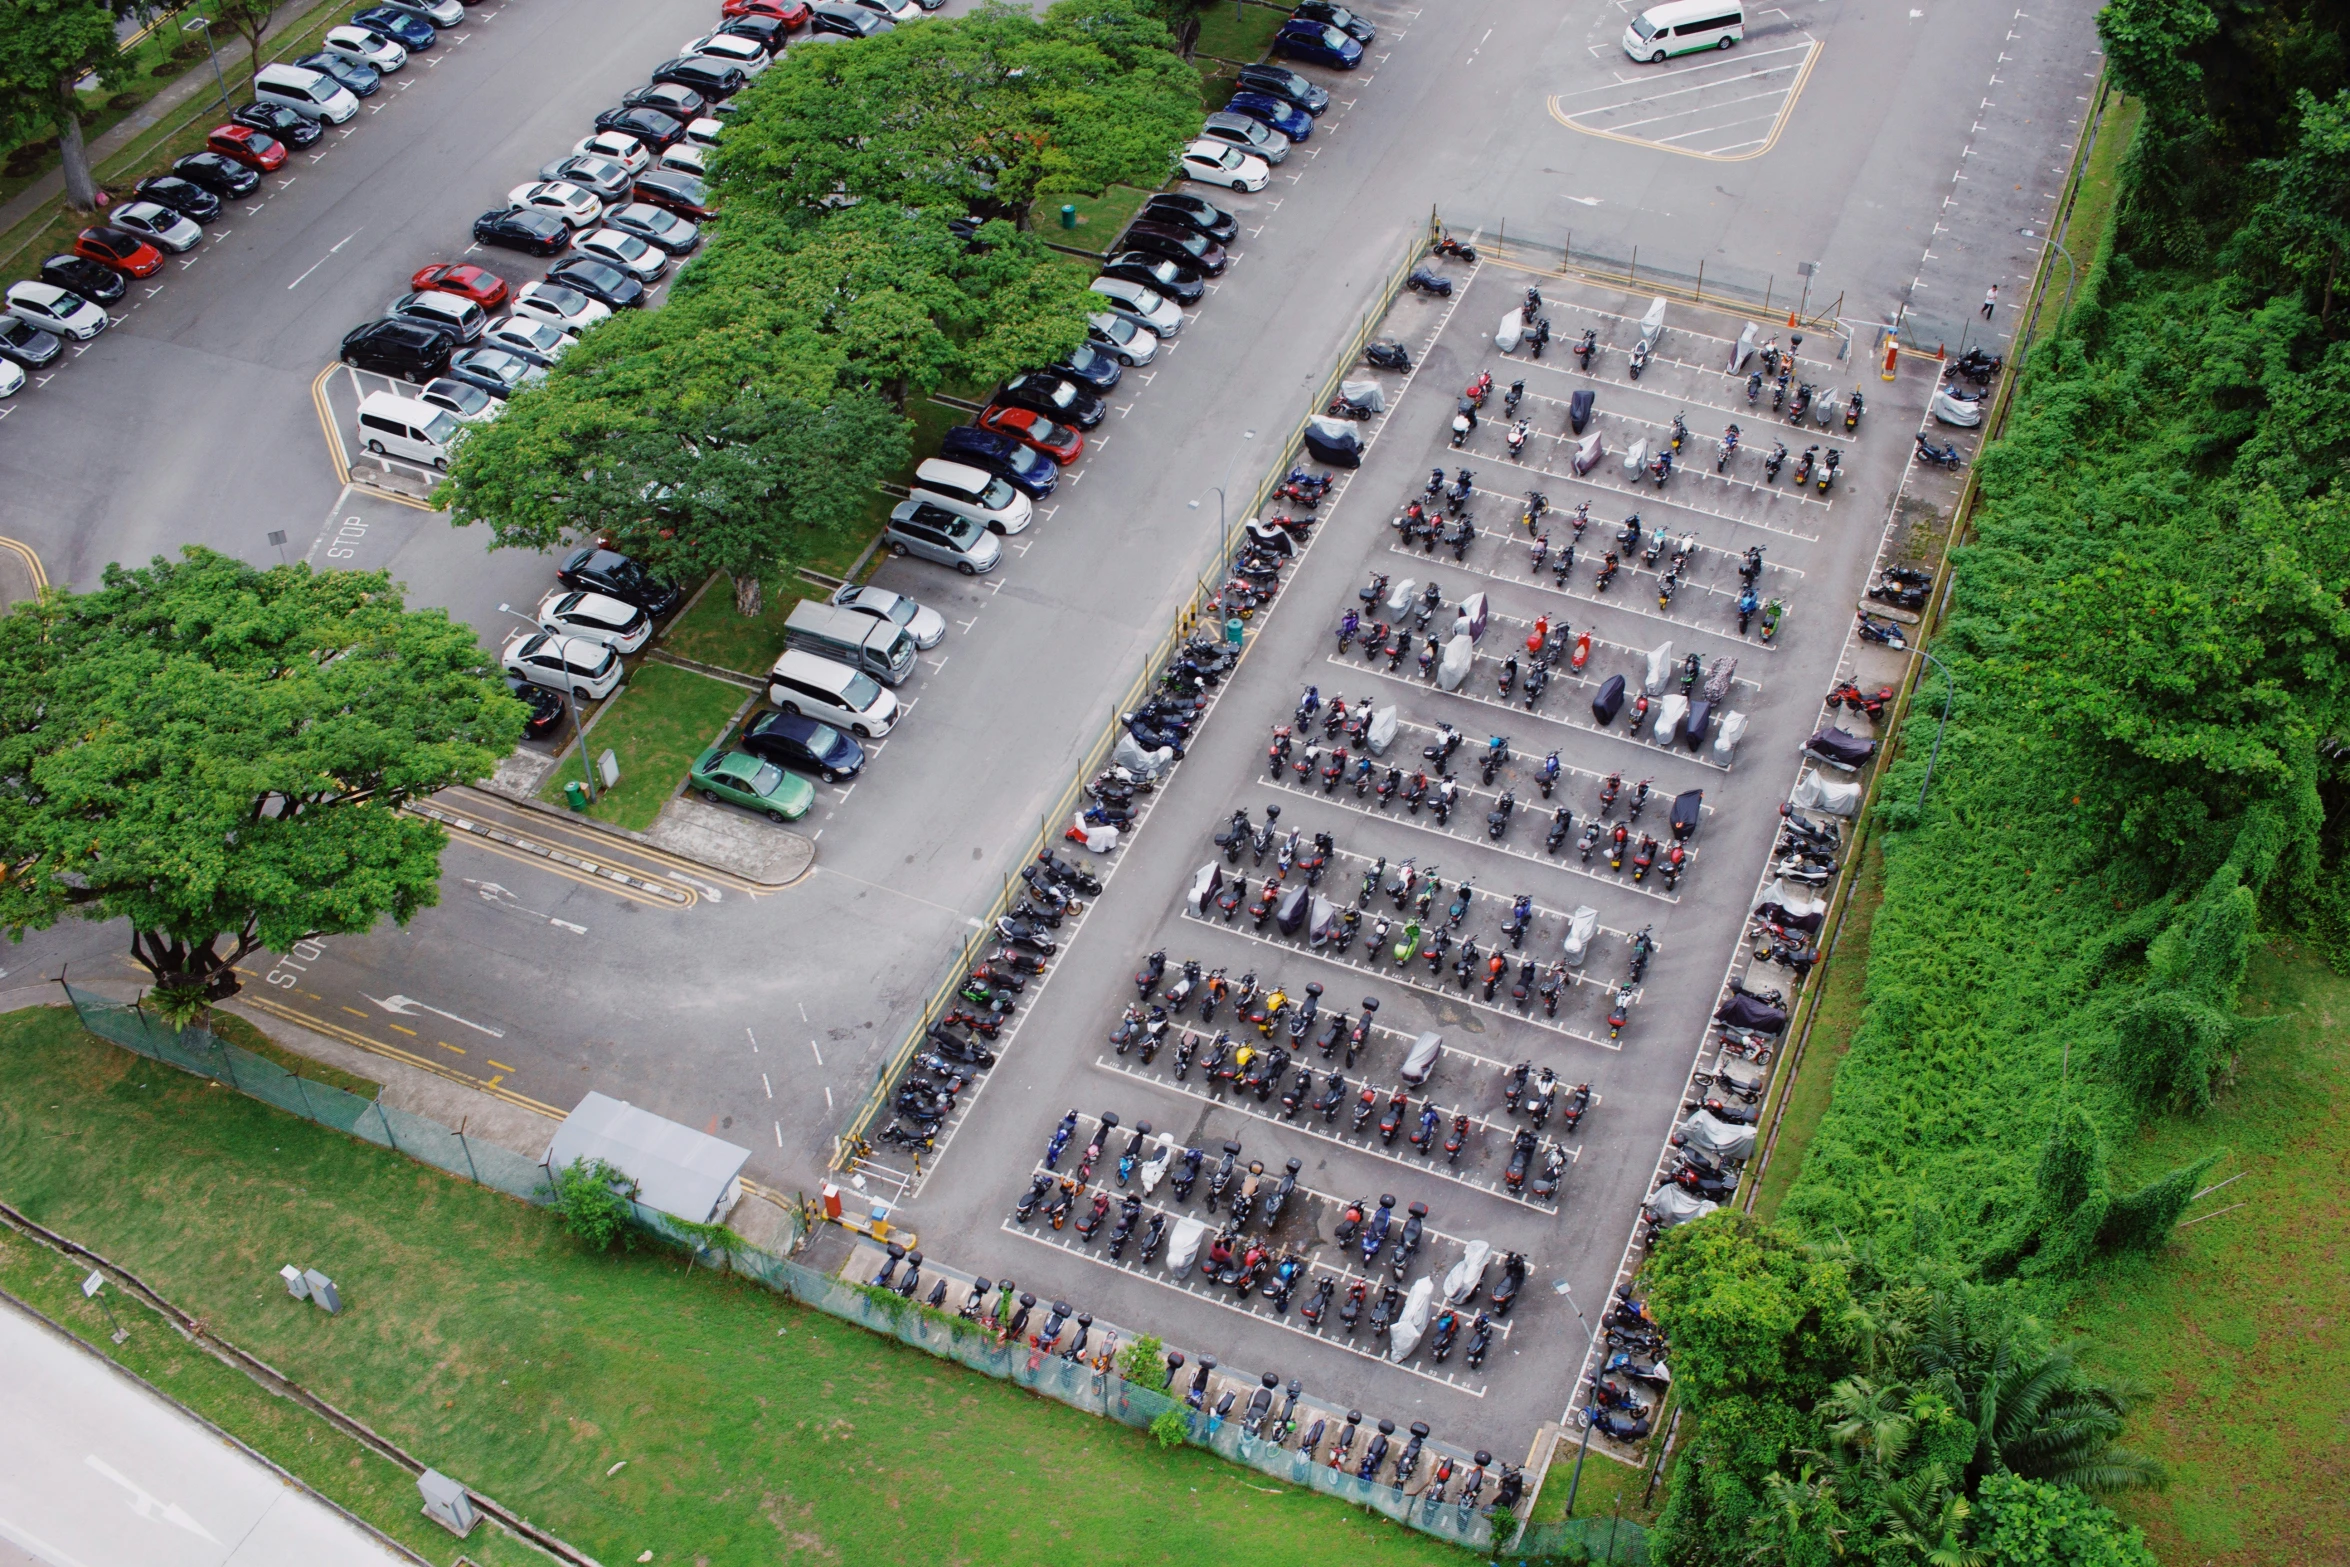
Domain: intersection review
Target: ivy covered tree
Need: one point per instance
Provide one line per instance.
(218, 756)
(46, 47)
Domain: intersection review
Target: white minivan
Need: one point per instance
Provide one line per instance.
(816, 687)
(314, 95)
(968, 492)
(394, 426)
(1683, 28)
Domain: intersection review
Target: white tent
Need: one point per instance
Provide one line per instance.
(677, 1170)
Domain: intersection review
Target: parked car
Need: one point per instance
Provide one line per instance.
(933, 533)
(485, 288)
(1053, 396)
(217, 174)
(496, 373)
(791, 13)
(656, 226)
(124, 252)
(275, 119)
(728, 777)
(704, 132)
(681, 104)
(573, 612)
(12, 378)
(1285, 84)
(441, 14)
(1031, 472)
(1213, 162)
(1317, 43)
(256, 150)
(454, 314)
(599, 280)
(158, 225)
(705, 76)
(410, 350)
(768, 32)
(649, 126)
(893, 10)
(639, 260)
(1145, 306)
(816, 687)
(1331, 14)
(526, 229)
(183, 196)
(462, 398)
(618, 147)
(355, 77)
(926, 626)
(1191, 212)
(546, 708)
(747, 55)
(28, 346)
(588, 670)
(1121, 339)
(1095, 371)
(1033, 430)
(1165, 278)
(535, 341)
(365, 47)
(802, 744)
(686, 158)
(411, 33)
(604, 178)
(1185, 246)
(1250, 136)
(674, 191)
(593, 570)
(57, 311)
(97, 284)
(565, 309)
(845, 21)
(574, 204)
(1279, 114)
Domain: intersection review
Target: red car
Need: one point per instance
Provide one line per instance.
(120, 249)
(791, 13)
(256, 150)
(1057, 441)
(485, 288)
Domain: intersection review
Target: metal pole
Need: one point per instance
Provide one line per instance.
(467, 1150)
(1575, 1480)
(1949, 690)
(204, 25)
(1701, 279)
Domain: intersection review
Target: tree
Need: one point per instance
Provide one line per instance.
(2032, 1523)
(46, 47)
(250, 20)
(219, 756)
(2301, 230)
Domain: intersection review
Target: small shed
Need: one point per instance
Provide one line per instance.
(677, 1170)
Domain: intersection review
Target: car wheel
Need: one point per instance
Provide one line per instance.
(777, 817)
(410, 377)
(710, 795)
(1657, 58)
(966, 568)
(863, 733)
(583, 693)
(377, 447)
(441, 463)
(793, 708)
(1725, 43)
(830, 776)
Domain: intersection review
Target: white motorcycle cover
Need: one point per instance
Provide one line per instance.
(1512, 328)
(1670, 1205)
(1660, 665)
(1364, 394)
(1959, 411)
(1204, 883)
(1404, 1337)
(1473, 611)
(1322, 919)
(1155, 1170)
(1101, 840)
(1381, 733)
(1635, 459)
(1718, 1138)
(1453, 667)
(1814, 791)
(1744, 351)
(1669, 714)
(1581, 925)
(1652, 325)
(1421, 1059)
(1588, 452)
(1795, 900)
(1183, 1245)
(1399, 598)
(1129, 754)
(1727, 737)
(1467, 1273)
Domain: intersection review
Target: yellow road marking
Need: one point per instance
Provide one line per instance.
(410, 1032)
(326, 423)
(1778, 126)
(617, 889)
(525, 820)
(276, 1008)
(502, 1065)
(31, 560)
(355, 1012)
(445, 1045)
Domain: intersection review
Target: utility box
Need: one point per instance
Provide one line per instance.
(322, 1290)
(608, 769)
(831, 1195)
(446, 1503)
(296, 1285)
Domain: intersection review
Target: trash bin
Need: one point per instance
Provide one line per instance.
(1068, 214)
(576, 795)
(1235, 631)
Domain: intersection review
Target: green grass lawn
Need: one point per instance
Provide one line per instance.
(2093, 204)
(932, 420)
(237, 1031)
(1837, 1015)
(1100, 219)
(2240, 1329)
(713, 632)
(484, 1341)
(656, 727)
(1239, 33)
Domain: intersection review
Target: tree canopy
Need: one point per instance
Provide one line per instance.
(219, 756)
(45, 47)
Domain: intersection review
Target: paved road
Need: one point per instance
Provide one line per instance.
(95, 1468)
(764, 1017)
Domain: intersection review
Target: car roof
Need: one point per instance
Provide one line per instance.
(795, 726)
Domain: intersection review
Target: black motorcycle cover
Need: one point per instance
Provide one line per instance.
(1746, 1012)
(1579, 411)
(1685, 810)
(1841, 745)
(1701, 713)
(1290, 912)
(1610, 700)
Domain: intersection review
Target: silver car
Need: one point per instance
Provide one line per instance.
(926, 626)
(936, 534)
(1145, 307)
(1248, 135)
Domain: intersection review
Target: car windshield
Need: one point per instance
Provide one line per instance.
(443, 429)
(860, 693)
(824, 743)
(469, 399)
(1334, 39)
(998, 496)
(1049, 433)
(765, 780)
(627, 245)
(1063, 394)
(1643, 28)
(1227, 157)
(1115, 328)
(555, 296)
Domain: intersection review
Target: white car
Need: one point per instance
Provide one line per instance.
(535, 341)
(462, 398)
(1147, 305)
(595, 617)
(48, 308)
(152, 220)
(614, 147)
(744, 54)
(564, 309)
(1121, 339)
(577, 207)
(11, 377)
(895, 10)
(687, 158)
(926, 626)
(625, 251)
(704, 131)
(366, 48)
(588, 670)
(1221, 163)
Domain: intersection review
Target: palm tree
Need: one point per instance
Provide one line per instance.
(1870, 1419)
(1931, 1519)
(1805, 1509)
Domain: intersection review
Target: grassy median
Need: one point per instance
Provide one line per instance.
(618, 1400)
(655, 727)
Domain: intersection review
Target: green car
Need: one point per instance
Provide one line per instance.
(742, 779)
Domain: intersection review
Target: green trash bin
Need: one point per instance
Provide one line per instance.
(576, 795)
(1234, 630)
(1068, 214)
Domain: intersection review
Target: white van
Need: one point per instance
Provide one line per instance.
(394, 426)
(314, 95)
(845, 698)
(967, 492)
(1683, 28)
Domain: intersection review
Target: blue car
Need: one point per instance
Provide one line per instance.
(362, 80)
(1317, 43)
(1287, 118)
(401, 28)
(1026, 470)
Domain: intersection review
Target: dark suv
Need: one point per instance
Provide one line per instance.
(410, 350)
(592, 570)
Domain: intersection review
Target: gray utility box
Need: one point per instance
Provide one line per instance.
(446, 1503)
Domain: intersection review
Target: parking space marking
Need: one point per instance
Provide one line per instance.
(1754, 411)
(1613, 461)
(1709, 107)
(1465, 695)
(1626, 603)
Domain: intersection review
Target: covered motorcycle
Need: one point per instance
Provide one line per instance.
(1511, 332)
(1365, 398)
(1467, 1274)
(1816, 793)
(1609, 701)
(1334, 441)
(1206, 882)
(1419, 1062)
(1322, 920)
(1473, 610)
(1382, 730)
(1290, 912)
(1588, 453)
(1718, 1139)
(1582, 925)
(1652, 325)
(1804, 914)
(1950, 408)
(1672, 1204)
(1701, 713)
(1839, 747)
(1743, 350)
(1688, 809)
(1141, 760)
(1727, 737)
(1660, 669)
(1579, 410)
(1453, 668)
(1669, 714)
(1404, 1337)
(1740, 1010)
(1636, 460)
(1183, 1244)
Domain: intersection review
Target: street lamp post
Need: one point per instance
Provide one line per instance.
(202, 24)
(571, 706)
(1220, 485)
(1576, 1479)
(1949, 690)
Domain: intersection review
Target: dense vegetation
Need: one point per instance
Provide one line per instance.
(749, 419)
(2150, 636)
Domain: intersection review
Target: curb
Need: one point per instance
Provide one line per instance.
(638, 839)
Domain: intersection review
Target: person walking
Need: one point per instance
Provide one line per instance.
(1990, 301)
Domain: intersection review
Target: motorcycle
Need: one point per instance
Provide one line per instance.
(1945, 457)
(1728, 446)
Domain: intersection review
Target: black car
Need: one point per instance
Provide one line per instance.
(524, 228)
(599, 280)
(184, 197)
(1022, 467)
(1054, 396)
(681, 104)
(279, 121)
(497, 371)
(80, 275)
(590, 570)
(1284, 84)
(710, 78)
(768, 32)
(1184, 246)
(846, 21)
(674, 190)
(362, 79)
(27, 345)
(546, 708)
(1171, 278)
(395, 345)
(803, 745)
(1201, 217)
(1089, 368)
(650, 126)
(219, 175)
(658, 227)
(1338, 16)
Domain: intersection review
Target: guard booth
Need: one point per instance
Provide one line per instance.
(677, 1170)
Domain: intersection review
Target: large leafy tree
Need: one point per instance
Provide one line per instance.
(46, 46)
(218, 756)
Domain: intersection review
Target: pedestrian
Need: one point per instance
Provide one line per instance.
(1990, 301)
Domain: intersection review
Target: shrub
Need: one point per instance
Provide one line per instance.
(1172, 1427)
(594, 1200)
